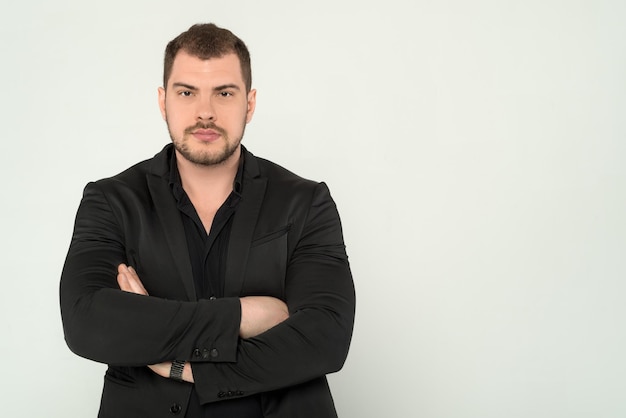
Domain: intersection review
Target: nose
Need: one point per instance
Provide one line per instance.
(205, 110)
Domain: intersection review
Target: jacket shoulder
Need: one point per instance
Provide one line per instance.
(135, 177)
(278, 174)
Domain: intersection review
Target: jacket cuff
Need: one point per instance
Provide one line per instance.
(211, 383)
(219, 344)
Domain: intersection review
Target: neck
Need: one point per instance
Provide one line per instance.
(208, 183)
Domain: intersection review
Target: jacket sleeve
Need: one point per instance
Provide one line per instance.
(107, 325)
(315, 339)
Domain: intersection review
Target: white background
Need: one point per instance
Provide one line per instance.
(475, 150)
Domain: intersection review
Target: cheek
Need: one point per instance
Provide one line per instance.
(175, 117)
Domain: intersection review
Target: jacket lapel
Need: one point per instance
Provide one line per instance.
(244, 225)
(169, 216)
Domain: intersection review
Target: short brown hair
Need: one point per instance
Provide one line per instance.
(207, 41)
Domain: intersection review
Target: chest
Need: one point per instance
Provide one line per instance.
(206, 216)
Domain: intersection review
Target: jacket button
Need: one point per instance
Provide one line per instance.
(175, 409)
(205, 354)
(221, 394)
(214, 353)
(197, 353)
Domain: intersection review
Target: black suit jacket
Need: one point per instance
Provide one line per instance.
(286, 241)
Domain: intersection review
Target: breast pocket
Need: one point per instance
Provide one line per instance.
(267, 264)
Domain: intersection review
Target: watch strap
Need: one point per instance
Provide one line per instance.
(176, 371)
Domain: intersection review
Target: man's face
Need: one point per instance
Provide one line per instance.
(206, 107)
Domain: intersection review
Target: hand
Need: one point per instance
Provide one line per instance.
(163, 370)
(260, 313)
(128, 280)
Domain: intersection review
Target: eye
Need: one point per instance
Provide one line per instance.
(225, 93)
(185, 93)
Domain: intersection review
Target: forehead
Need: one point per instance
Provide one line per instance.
(188, 68)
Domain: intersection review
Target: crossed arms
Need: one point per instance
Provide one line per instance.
(113, 321)
(258, 314)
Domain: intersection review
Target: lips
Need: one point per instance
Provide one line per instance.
(206, 135)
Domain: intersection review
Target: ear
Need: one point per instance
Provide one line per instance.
(162, 102)
(251, 105)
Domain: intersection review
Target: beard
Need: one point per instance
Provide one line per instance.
(205, 154)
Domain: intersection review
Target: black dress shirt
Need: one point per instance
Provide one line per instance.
(207, 254)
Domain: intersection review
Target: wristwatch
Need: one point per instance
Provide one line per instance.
(176, 371)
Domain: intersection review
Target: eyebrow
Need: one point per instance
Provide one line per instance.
(226, 87)
(187, 86)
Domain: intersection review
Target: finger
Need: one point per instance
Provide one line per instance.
(136, 282)
(135, 287)
(132, 272)
(127, 282)
(123, 283)
(123, 278)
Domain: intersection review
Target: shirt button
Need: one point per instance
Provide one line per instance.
(215, 353)
(175, 409)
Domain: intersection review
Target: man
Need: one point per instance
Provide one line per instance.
(212, 282)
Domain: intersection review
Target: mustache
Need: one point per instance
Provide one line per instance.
(201, 125)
